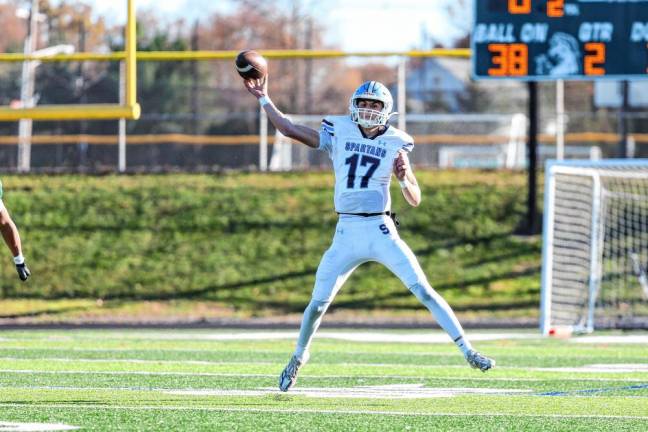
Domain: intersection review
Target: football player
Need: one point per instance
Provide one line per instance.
(12, 239)
(365, 150)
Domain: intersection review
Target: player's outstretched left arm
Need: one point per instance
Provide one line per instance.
(301, 133)
(12, 239)
(405, 175)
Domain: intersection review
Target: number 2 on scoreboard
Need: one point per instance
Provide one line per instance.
(594, 58)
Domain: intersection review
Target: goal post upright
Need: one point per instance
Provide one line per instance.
(130, 110)
(547, 249)
(596, 228)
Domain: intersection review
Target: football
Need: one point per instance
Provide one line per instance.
(251, 65)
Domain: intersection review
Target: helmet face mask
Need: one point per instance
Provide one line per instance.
(367, 117)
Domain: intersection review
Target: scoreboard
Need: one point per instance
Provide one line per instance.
(560, 39)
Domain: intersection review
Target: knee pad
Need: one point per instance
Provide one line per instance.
(318, 306)
(424, 292)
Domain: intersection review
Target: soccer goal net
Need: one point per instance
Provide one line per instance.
(595, 245)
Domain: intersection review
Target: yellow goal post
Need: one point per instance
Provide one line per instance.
(130, 109)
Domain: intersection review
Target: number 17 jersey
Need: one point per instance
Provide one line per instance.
(363, 166)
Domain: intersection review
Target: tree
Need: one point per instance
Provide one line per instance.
(297, 86)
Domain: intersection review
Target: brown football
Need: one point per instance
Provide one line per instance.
(251, 64)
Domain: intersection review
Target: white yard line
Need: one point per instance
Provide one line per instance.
(313, 411)
(597, 368)
(389, 391)
(73, 372)
(136, 361)
(600, 368)
(275, 375)
(450, 353)
(34, 427)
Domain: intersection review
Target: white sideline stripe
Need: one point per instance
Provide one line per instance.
(315, 411)
(630, 339)
(433, 336)
(34, 427)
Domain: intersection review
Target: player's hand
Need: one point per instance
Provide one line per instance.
(23, 271)
(401, 165)
(258, 87)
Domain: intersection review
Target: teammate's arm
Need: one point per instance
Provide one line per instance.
(301, 133)
(12, 239)
(405, 175)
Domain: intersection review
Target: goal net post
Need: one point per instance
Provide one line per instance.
(595, 245)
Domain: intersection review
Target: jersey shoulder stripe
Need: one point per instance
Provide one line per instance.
(328, 127)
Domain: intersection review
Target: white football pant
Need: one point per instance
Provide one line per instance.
(358, 240)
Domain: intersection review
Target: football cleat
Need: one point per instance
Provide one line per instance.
(288, 377)
(478, 361)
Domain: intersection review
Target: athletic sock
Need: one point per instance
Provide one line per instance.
(310, 323)
(442, 312)
(463, 344)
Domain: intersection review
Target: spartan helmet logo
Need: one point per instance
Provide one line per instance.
(367, 117)
(563, 57)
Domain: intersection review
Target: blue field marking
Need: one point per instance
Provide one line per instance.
(588, 391)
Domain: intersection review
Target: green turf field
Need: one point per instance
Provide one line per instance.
(401, 380)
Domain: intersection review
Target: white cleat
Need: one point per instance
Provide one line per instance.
(288, 377)
(478, 361)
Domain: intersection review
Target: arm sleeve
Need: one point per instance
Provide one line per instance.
(327, 135)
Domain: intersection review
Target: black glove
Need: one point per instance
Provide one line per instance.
(23, 271)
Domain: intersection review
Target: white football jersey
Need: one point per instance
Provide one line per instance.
(363, 166)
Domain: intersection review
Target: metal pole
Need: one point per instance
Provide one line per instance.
(560, 119)
(546, 278)
(596, 228)
(83, 129)
(263, 140)
(623, 127)
(532, 149)
(121, 163)
(27, 92)
(402, 124)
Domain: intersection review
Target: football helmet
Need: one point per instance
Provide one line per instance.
(366, 117)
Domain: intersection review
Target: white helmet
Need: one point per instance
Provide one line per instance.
(372, 90)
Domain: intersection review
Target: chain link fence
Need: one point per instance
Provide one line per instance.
(202, 119)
